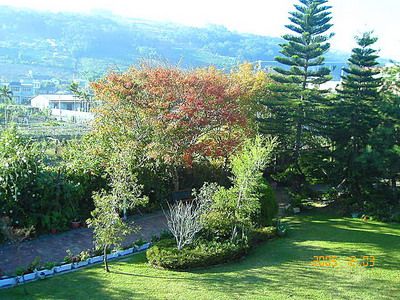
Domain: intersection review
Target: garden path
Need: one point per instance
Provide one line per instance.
(52, 247)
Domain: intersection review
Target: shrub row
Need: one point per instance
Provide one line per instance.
(203, 253)
(164, 254)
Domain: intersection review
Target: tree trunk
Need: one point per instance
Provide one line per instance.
(298, 140)
(105, 259)
(175, 177)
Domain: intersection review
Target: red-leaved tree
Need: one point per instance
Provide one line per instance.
(174, 115)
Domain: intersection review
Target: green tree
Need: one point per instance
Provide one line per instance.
(6, 98)
(356, 115)
(236, 210)
(292, 107)
(6, 95)
(108, 227)
(385, 140)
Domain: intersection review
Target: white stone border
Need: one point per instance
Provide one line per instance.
(66, 268)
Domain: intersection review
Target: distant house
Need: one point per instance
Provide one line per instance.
(64, 102)
(330, 85)
(64, 106)
(22, 92)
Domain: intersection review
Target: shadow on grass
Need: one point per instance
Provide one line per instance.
(283, 266)
(277, 269)
(88, 284)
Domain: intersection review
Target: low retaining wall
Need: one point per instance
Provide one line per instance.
(66, 268)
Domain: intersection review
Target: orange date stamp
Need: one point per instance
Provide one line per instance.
(333, 261)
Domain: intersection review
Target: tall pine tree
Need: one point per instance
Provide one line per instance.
(356, 116)
(292, 107)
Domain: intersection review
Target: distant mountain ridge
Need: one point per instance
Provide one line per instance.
(62, 44)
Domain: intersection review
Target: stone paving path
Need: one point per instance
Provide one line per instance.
(52, 247)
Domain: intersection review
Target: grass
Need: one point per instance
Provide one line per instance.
(279, 269)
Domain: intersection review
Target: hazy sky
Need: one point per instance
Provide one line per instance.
(266, 17)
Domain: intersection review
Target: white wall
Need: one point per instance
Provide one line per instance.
(68, 115)
(40, 102)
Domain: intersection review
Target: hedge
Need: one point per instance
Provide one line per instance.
(164, 254)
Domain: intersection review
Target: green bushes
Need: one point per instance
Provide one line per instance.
(268, 204)
(250, 201)
(262, 234)
(40, 189)
(20, 164)
(204, 253)
(222, 231)
(201, 254)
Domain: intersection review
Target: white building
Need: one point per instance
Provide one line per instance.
(330, 85)
(65, 102)
(64, 107)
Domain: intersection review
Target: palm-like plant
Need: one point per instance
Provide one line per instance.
(6, 95)
(6, 98)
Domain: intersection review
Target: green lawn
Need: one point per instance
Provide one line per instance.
(279, 269)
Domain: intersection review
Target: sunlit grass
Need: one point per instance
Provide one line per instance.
(279, 269)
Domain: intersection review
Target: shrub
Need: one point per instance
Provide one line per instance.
(35, 189)
(165, 234)
(262, 234)
(49, 265)
(268, 205)
(249, 202)
(205, 253)
(20, 163)
(220, 220)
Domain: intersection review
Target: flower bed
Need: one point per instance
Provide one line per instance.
(67, 267)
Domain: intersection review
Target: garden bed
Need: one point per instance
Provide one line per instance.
(68, 267)
(164, 254)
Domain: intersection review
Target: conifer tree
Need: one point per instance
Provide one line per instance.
(293, 105)
(356, 115)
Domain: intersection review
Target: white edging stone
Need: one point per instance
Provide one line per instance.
(66, 268)
(45, 272)
(63, 268)
(8, 281)
(80, 264)
(30, 276)
(95, 259)
(125, 252)
(112, 255)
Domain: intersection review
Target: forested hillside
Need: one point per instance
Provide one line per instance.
(62, 44)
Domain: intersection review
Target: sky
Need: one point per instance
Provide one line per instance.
(265, 17)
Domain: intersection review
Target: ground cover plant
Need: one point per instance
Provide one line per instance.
(278, 269)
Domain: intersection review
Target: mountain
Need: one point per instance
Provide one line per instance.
(43, 44)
